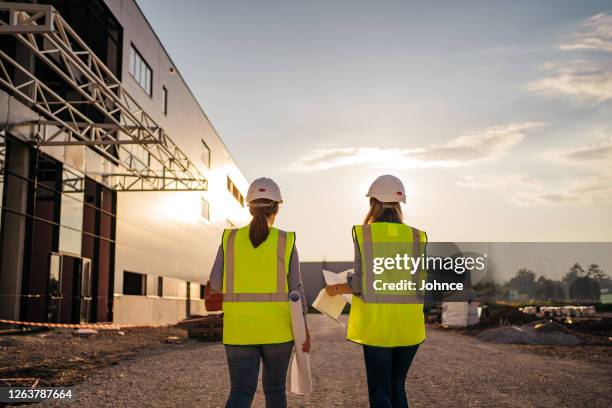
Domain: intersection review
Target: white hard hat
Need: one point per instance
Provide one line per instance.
(264, 188)
(387, 189)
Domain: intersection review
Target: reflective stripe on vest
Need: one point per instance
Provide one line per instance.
(386, 320)
(369, 295)
(281, 294)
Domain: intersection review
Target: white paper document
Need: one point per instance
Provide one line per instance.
(332, 306)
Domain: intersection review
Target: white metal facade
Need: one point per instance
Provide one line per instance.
(161, 233)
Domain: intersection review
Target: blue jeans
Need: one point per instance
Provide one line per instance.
(386, 370)
(243, 362)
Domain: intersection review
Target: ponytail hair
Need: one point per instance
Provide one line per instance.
(261, 209)
(384, 212)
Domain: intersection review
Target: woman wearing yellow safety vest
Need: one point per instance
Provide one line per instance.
(255, 269)
(386, 318)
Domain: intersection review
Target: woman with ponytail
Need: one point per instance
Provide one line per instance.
(256, 268)
(389, 324)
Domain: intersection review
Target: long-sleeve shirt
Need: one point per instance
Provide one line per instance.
(294, 278)
(355, 279)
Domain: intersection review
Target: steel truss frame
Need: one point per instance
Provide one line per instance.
(2, 154)
(149, 160)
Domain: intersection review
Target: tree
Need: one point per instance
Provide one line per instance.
(602, 278)
(585, 289)
(595, 272)
(547, 289)
(487, 291)
(523, 281)
(574, 273)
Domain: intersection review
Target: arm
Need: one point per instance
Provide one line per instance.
(294, 282)
(294, 279)
(353, 281)
(428, 298)
(216, 274)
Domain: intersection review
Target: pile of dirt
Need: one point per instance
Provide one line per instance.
(545, 333)
(504, 313)
(58, 358)
(596, 327)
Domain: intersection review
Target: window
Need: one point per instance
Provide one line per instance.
(231, 187)
(205, 210)
(160, 286)
(134, 283)
(164, 100)
(205, 154)
(140, 70)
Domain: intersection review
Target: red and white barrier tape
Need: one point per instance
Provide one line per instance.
(97, 326)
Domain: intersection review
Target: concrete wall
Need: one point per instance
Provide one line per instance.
(151, 309)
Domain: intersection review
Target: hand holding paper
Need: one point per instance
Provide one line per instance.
(332, 306)
(332, 278)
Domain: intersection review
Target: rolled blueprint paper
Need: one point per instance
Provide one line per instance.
(301, 382)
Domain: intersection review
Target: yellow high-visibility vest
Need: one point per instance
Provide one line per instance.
(256, 306)
(388, 318)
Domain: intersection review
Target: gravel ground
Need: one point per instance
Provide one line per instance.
(58, 358)
(450, 370)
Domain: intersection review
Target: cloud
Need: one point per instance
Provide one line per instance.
(586, 78)
(586, 190)
(591, 189)
(463, 150)
(494, 182)
(599, 152)
(595, 34)
(583, 190)
(592, 154)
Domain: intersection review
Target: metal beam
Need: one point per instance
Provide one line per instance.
(110, 126)
(131, 138)
(130, 183)
(48, 132)
(91, 143)
(39, 15)
(2, 154)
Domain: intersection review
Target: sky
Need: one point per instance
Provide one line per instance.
(496, 115)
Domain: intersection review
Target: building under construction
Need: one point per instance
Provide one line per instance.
(115, 186)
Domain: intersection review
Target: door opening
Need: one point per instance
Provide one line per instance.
(69, 296)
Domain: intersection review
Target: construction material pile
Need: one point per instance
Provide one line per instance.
(205, 328)
(548, 333)
(560, 311)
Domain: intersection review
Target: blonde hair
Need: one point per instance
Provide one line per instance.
(384, 212)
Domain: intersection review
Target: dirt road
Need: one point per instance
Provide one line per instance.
(450, 370)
